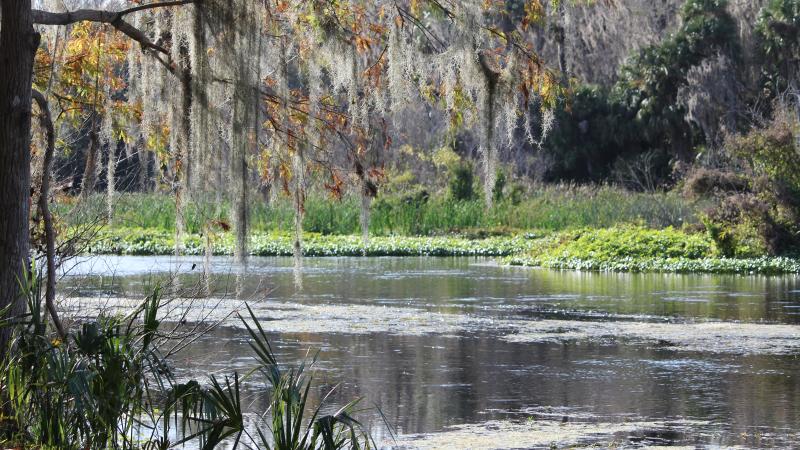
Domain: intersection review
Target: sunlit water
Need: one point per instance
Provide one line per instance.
(442, 343)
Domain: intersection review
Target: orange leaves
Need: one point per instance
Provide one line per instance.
(534, 13)
(335, 186)
(377, 173)
(263, 164)
(89, 62)
(363, 43)
(220, 224)
(285, 174)
(414, 7)
(374, 73)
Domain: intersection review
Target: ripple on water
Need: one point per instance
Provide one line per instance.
(686, 299)
(680, 365)
(283, 317)
(497, 434)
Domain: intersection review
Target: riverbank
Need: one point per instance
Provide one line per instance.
(617, 249)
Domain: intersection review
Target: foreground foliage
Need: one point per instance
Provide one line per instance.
(110, 385)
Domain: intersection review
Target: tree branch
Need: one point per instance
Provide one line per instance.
(154, 5)
(47, 123)
(113, 18)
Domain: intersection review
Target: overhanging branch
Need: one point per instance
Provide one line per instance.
(113, 18)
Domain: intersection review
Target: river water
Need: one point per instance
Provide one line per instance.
(463, 353)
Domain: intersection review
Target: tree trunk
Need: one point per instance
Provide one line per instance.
(18, 43)
(144, 167)
(44, 209)
(92, 160)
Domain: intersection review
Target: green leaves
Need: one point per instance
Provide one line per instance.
(287, 427)
(94, 391)
(778, 31)
(83, 392)
(638, 249)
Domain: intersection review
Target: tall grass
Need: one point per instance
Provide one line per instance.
(553, 207)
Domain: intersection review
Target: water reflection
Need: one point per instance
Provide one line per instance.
(468, 285)
(430, 382)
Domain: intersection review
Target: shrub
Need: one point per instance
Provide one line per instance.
(756, 210)
(517, 194)
(703, 182)
(461, 182)
(499, 186)
(635, 242)
(771, 151)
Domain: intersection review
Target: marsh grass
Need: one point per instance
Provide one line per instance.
(550, 207)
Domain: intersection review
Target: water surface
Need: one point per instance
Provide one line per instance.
(444, 343)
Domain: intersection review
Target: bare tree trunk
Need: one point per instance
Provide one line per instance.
(44, 209)
(18, 43)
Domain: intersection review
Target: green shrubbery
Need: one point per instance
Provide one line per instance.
(637, 249)
(634, 242)
(600, 130)
(461, 183)
(756, 194)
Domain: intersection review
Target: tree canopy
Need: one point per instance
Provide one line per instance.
(280, 88)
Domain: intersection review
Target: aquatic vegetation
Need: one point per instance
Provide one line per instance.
(153, 242)
(619, 249)
(638, 249)
(766, 265)
(630, 241)
(714, 337)
(540, 434)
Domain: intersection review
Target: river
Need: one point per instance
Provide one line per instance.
(461, 352)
